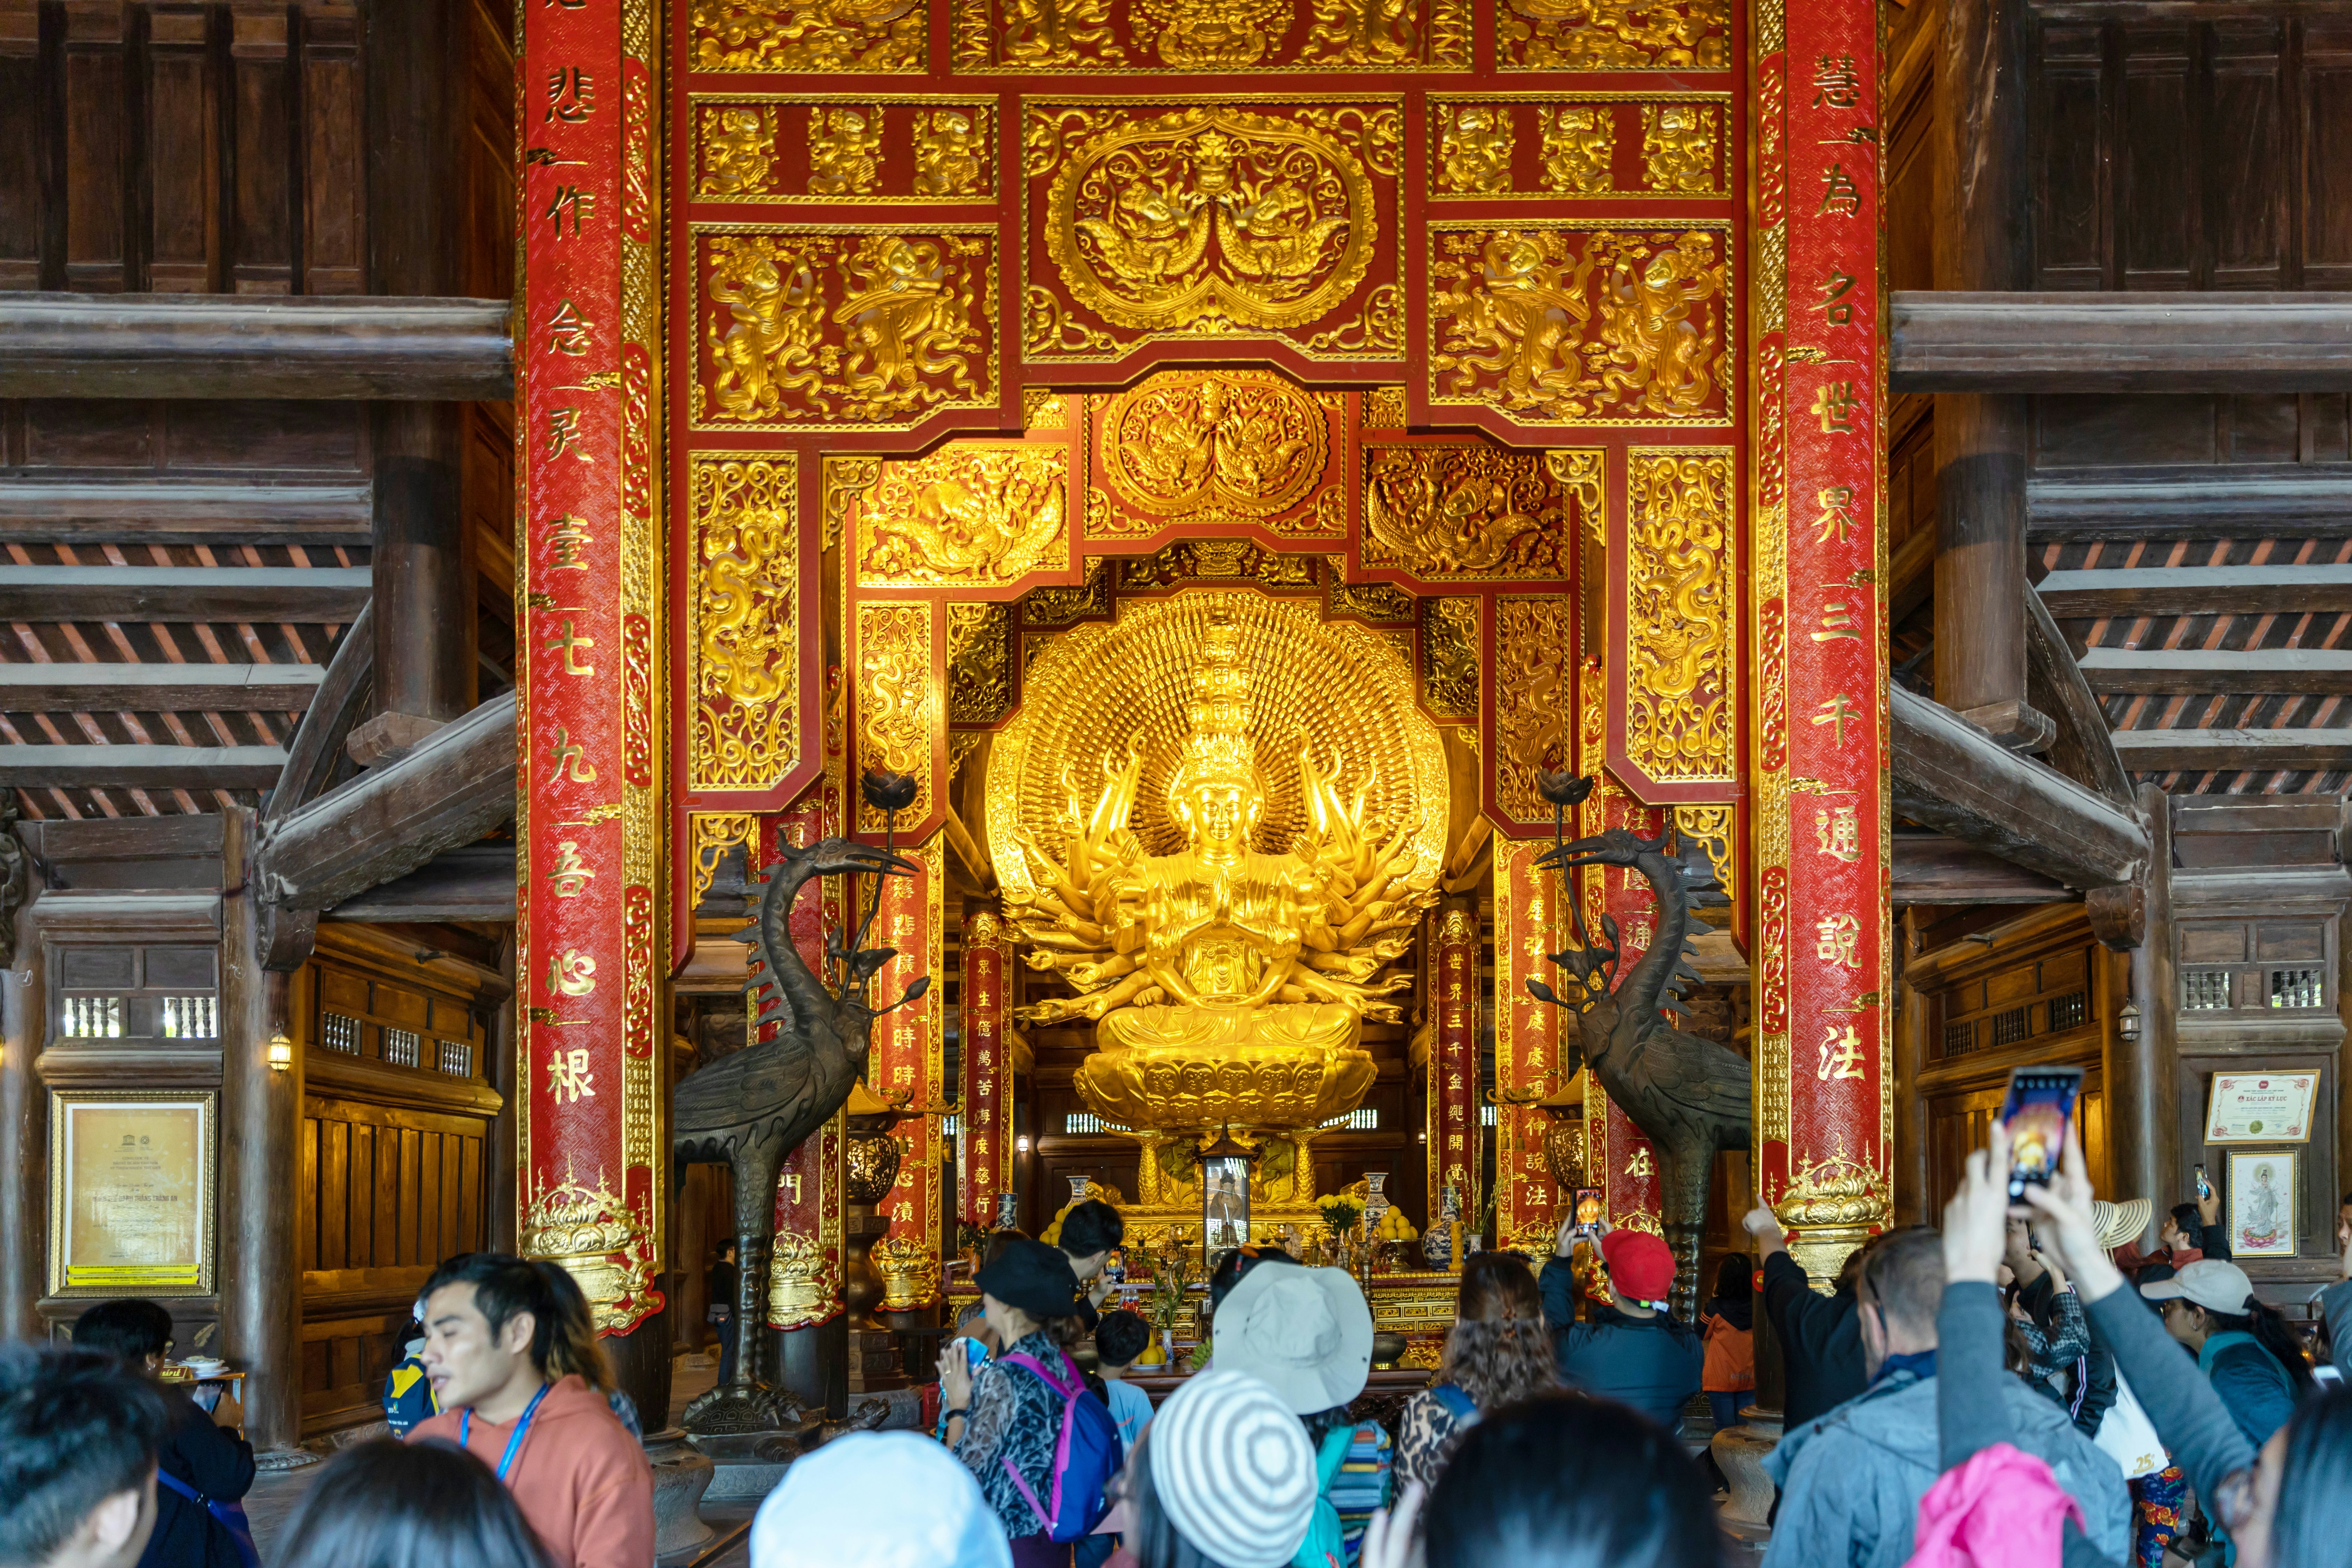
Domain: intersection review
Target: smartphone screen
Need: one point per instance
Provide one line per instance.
(2040, 1102)
(1588, 1208)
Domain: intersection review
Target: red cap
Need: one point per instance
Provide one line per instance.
(1640, 1265)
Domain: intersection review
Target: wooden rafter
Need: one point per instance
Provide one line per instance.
(2151, 341)
(158, 688)
(312, 594)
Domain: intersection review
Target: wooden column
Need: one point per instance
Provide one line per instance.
(24, 1133)
(2143, 1089)
(1912, 1199)
(1983, 240)
(261, 1126)
(591, 830)
(417, 98)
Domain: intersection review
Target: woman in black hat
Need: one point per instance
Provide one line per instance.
(1001, 1413)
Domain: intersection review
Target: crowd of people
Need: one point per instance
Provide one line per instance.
(2022, 1386)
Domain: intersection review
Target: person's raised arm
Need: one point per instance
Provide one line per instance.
(1969, 1414)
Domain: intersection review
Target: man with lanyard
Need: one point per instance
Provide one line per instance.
(580, 1479)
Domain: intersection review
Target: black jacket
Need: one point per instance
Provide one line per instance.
(2091, 1390)
(1820, 1339)
(216, 1463)
(1652, 1364)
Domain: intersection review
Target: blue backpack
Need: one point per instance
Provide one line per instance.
(1084, 1459)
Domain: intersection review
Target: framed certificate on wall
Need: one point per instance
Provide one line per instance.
(131, 1183)
(2260, 1108)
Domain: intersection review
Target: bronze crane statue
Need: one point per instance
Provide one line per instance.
(750, 1110)
(1688, 1094)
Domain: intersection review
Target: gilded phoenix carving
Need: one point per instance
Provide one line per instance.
(1146, 36)
(898, 706)
(1466, 511)
(1574, 325)
(974, 513)
(1680, 571)
(744, 641)
(878, 328)
(1449, 657)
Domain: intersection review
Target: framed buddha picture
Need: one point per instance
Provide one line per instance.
(131, 1181)
(1226, 1201)
(2262, 1203)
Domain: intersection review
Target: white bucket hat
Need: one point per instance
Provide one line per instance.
(1307, 1333)
(1232, 1468)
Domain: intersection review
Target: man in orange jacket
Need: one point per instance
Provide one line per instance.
(493, 1325)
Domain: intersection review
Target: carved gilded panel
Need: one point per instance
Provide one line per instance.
(1214, 447)
(800, 328)
(1470, 511)
(1529, 146)
(1216, 561)
(979, 663)
(1613, 35)
(1533, 697)
(1062, 606)
(897, 701)
(1681, 594)
(1583, 324)
(742, 639)
(1449, 658)
(836, 149)
(973, 514)
(836, 37)
(1123, 37)
(1189, 219)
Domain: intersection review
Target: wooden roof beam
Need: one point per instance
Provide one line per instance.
(1931, 869)
(303, 595)
(255, 346)
(1950, 340)
(2181, 671)
(455, 785)
(2194, 500)
(2277, 589)
(140, 767)
(158, 688)
(182, 511)
(1953, 777)
(2233, 751)
(473, 883)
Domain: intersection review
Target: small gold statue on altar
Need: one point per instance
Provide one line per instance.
(1229, 985)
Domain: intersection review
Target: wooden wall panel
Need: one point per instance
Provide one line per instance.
(183, 138)
(261, 86)
(334, 221)
(2157, 185)
(21, 159)
(2325, 206)
(2253, 165)
(97, 148)
(2069, 113)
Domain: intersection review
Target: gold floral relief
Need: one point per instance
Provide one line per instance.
(1573, 324)
(1680, 576)
(979, 513)
(1209, 445)
(1368, 601)
(877, 327)
(845, 149)
(846, 479)
(1384, 408)
(1679, 145)
(1580, 148)
(1613, 35)
(715, 833)
(1201, 36)
(1474, 147)
(737, 148)
(897, 703)
(1532, 691)
(1710, 826)
(743, 641)
(979, 663)
(1450, 658)
(1465, 511)
(1206, 219)
(837, 37)
(1043, 410)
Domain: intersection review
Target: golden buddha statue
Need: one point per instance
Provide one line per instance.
(1229, 985)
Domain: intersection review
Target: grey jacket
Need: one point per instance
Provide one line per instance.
(1852, 1480)
(2336, 1305)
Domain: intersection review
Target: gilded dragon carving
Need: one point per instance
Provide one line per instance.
(746, 648)
(808, 36)
(1465, 511)
(1213, 444)
(1679, 572)
(1613, 35)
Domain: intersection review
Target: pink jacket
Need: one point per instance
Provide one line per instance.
(2001, 1509)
